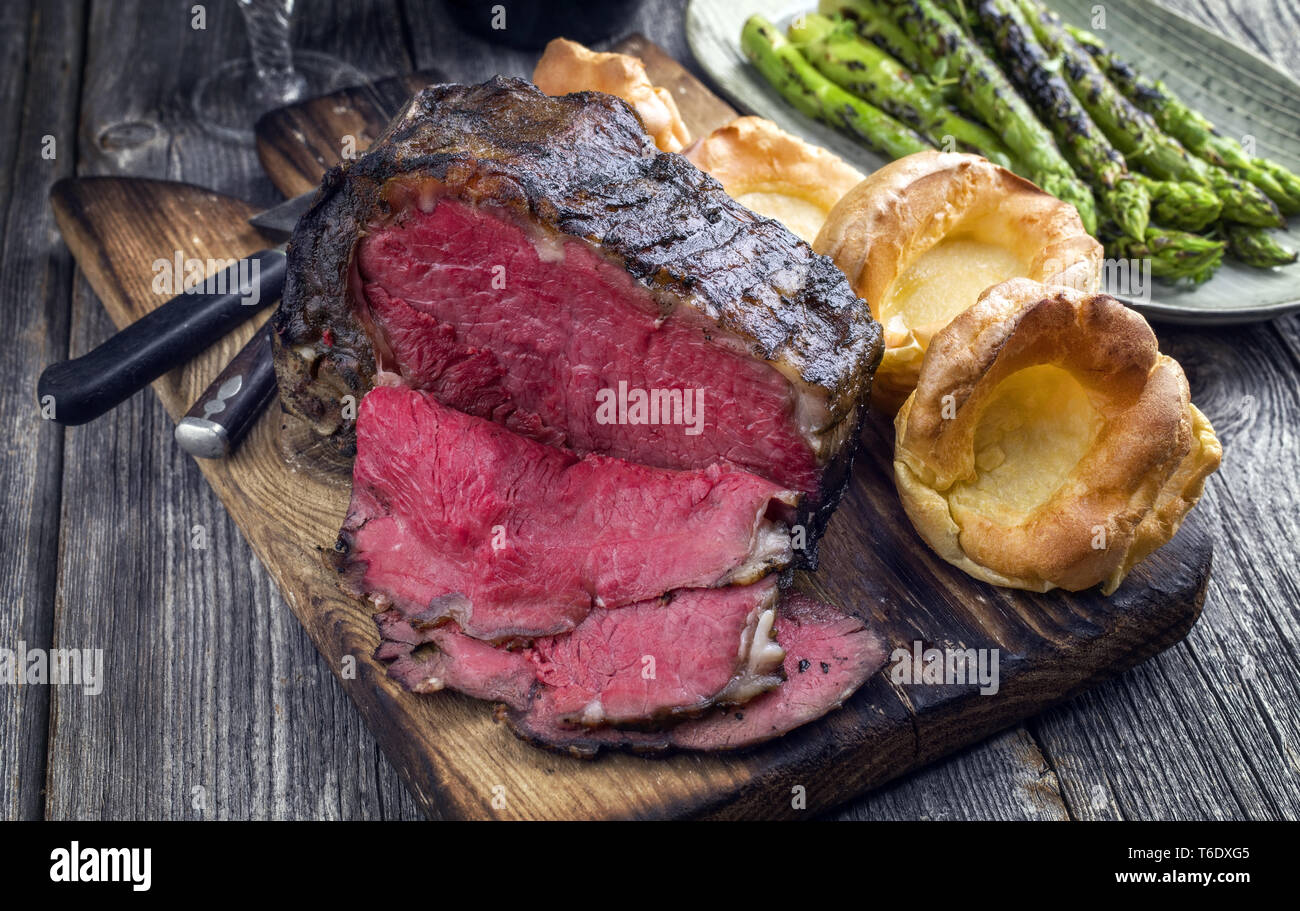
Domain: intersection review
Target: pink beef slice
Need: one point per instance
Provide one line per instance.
(642, 664)
(654, 661)
(426, 659)
(516, 255)
(457, 518)
(828, 656)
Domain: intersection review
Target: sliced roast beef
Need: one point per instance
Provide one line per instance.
(426, 658)
(828, 655)
(646, 663)
(456, 517)
(654, 661)
(536, 261)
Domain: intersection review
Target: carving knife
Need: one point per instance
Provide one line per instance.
(83, 388)
(229, 407)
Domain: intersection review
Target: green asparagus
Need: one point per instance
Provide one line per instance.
(1174, 255)
(1288, 181)
(1135, 133)
(1243, 202)
(812, 93)
(1182, 205)
(1191, 128)
(874, 25)
(868, 72)
(1256, 247)
(944, 48)
(1095, 160)
(1130, 128)
(961, 12)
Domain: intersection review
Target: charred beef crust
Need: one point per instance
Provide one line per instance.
(582, 164)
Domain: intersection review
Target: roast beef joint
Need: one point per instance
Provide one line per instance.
(601, 403)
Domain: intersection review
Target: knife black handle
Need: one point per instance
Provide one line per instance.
(85, 387)
(230, 405)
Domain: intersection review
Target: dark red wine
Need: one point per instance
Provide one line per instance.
(532, 23)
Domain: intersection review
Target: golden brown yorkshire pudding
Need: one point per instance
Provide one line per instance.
(1048, 442)
(923, 236)
(567, 66)
(775, 174)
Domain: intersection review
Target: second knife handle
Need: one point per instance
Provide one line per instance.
(83, 388)
(231, 403)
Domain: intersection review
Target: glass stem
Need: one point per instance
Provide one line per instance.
(267, 23)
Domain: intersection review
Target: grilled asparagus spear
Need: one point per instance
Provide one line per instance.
(868, 72)
(963, 13)
(874, 24)
(1256, 247)
(1182, 205)
(944, 48)
(1174, 255)
(1191, 128)
(1244, 202)
(1287, 180)
(812, 93)
(1123, 197)
(1136, 134)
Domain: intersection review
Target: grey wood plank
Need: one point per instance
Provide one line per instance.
(42, 44)
(1208, 730)
(1288, 331)
(211, 683)
(1005, 777)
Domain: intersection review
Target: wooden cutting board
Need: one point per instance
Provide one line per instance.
(457, 761)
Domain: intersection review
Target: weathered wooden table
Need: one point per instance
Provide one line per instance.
(217, 706)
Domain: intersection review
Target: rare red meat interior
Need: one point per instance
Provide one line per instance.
(455, 517)
(537, 262)
(827, 657)
(661, 618)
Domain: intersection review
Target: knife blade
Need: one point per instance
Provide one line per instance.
(81, 389)
(279, 220)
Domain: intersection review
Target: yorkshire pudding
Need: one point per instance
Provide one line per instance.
(1048, 442)
(770, 172)
(923, 236)
(567, 66)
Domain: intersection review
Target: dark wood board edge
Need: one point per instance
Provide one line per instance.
(953, 718)
(297, 144)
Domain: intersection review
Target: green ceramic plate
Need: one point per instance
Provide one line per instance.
(1240, 92)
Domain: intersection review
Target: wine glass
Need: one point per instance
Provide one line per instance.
(229, 100)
